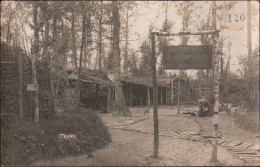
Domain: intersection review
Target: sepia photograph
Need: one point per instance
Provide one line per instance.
(130, 83)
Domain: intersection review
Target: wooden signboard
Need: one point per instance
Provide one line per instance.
(187, 57)
(32, 87)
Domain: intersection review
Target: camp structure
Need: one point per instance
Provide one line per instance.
(93, 89)
(139, 91)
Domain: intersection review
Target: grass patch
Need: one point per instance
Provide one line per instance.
(21, 145)
(247, 120)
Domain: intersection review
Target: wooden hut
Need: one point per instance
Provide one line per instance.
(139, 91)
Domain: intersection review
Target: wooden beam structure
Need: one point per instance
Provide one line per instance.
(155, 98)
(184, 33)
(130, 91)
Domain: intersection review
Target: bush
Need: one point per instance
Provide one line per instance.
(247, 120)
(21, 145)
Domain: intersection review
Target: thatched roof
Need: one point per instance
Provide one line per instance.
(162, 82)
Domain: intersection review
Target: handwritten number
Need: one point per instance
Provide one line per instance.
(229, 16)
(90, 155)
(242, 17)
(236, 17)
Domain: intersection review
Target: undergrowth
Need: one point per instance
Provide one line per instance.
(21, 145)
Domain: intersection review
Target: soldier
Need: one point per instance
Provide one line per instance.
(203, 104)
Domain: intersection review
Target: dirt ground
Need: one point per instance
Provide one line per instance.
(132, 148)
(129, 148)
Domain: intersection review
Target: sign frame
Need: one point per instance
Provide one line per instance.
(32, 87)
(184, 57)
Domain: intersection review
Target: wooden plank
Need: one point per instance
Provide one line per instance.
(221, 142)
(254, 147)
(245, 145)
(234, 143)
(238, 152)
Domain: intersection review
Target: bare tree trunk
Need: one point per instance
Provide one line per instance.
(34, 55)
(120, 105)
(83, 41)
(20, 77)
(126, 43)
(73, 33)
(215, 83)
(100, 38)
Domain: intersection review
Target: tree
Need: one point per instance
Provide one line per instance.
(250, 79)
(120, 107)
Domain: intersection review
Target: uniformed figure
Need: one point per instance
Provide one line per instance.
(203, 104)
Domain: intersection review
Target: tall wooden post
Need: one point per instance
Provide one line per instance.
(161, 96)
(20, 77)
(249, 28)
(215, 71)
(130, 91)
(179, 89)
(172, 91)
(148, 96)
(155, 98)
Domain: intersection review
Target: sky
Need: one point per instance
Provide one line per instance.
(154, 14)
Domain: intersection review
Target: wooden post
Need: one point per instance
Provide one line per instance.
(179, 87)
(215, 83)
(148, 96)
(172, 91)
(249, 28)
(155, 98)
(161, 96)
(20, 77)
(130, 104)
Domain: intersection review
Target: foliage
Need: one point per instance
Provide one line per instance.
(24, 144)
(250, 80)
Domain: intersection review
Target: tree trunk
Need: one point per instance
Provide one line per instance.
(126, 43)
(34, 56)
(120, 105)
(20, 78)
(215, 83)
(100, 38)
(83, 41)
(73, 33)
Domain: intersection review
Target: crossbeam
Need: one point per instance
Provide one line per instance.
(184, 33)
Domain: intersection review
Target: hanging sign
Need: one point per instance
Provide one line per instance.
(187, 57)
(32, 87)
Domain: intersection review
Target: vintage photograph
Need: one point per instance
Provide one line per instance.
(130, 83)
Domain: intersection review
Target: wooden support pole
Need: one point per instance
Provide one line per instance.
(249, 43)
(184, 33)
(172, 91)
(130, 103)
(161, 96)
(20, 78)
(155, 99)
(148, 96)
(179, 89)
(215, 84)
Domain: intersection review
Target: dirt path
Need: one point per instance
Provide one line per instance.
(132, 148)
(129, 148)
